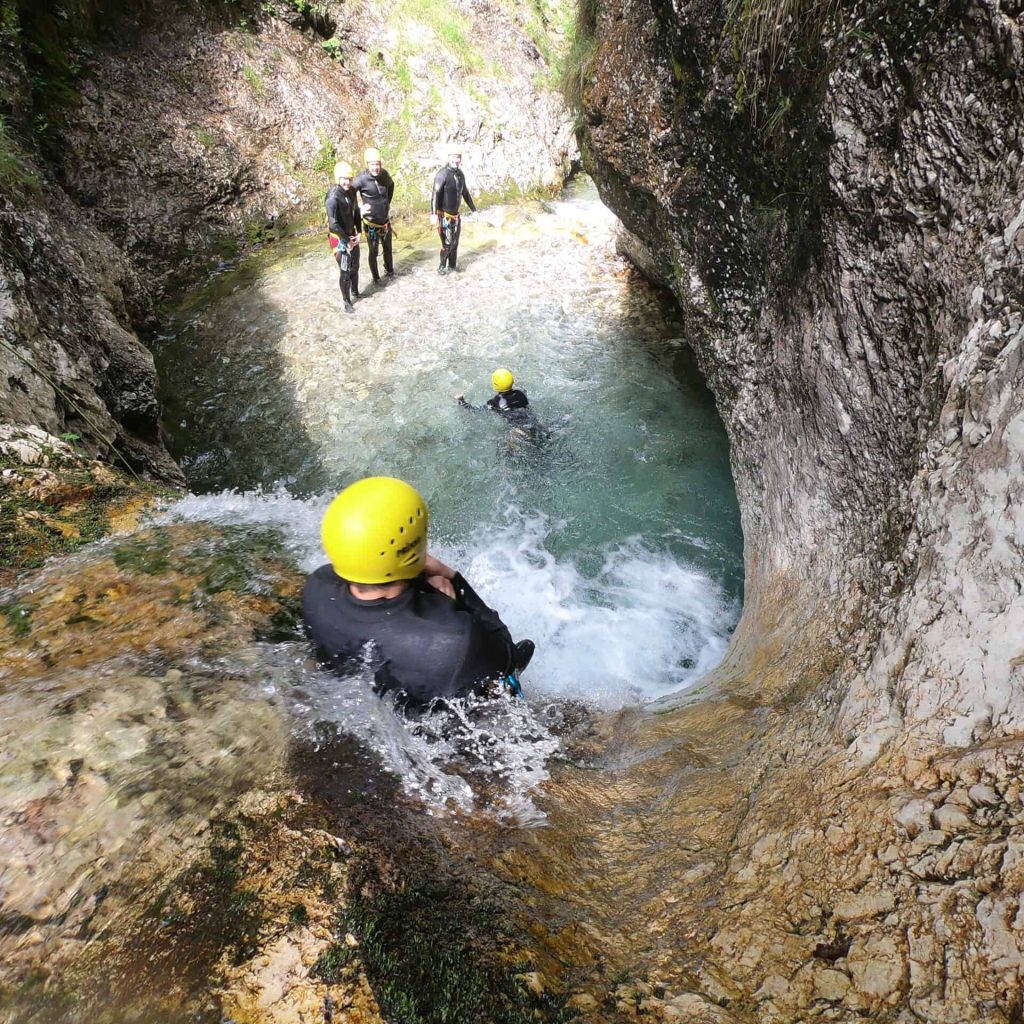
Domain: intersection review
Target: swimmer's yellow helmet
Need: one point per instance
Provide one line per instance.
(502, 380)
(375, 531)
(372, 156)
(342, 170)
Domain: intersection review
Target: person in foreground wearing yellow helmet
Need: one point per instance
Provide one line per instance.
(425, 631)
(376, 189)
(343, 227)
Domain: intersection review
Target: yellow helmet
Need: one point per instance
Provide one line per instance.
(375, 531)
(372, 156)
(342, 170)
(502, 380)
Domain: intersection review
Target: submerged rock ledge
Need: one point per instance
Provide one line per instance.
(838, 204)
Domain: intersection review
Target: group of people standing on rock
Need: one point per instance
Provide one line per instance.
(361, 205)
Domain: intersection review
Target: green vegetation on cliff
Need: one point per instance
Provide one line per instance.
(16, 176)
(577, 63)
(53, 509)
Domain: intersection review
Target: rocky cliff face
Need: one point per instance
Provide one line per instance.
(140, 146)
(837, 199)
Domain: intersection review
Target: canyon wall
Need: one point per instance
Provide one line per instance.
(835, 194)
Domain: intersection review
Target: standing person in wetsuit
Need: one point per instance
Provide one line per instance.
(343, 227)
(384, 601)
(446, 198)
(376, 189)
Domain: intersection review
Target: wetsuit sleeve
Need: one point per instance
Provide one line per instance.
(487, 650)
(334, 224)
(486, 616)
(359, 186)
(468, 197)
(391, 191)
(357, 217)
(437, 196)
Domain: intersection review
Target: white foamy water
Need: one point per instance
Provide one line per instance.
(640, 626)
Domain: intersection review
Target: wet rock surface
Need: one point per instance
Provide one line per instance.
(55, 498)
(843, 234)
(175, 848)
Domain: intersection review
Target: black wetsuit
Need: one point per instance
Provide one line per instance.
(344, 221)
(527, 436)
(513, 405)
(449, 191)
(377, 193)
(424, 643)
(508, 403)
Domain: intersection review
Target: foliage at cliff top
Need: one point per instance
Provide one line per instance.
(433, 44)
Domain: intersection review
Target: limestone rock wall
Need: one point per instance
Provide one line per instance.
(70, 360)
(862, 336)
(837, 205)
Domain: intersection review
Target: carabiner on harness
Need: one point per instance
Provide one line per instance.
(513, 686)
